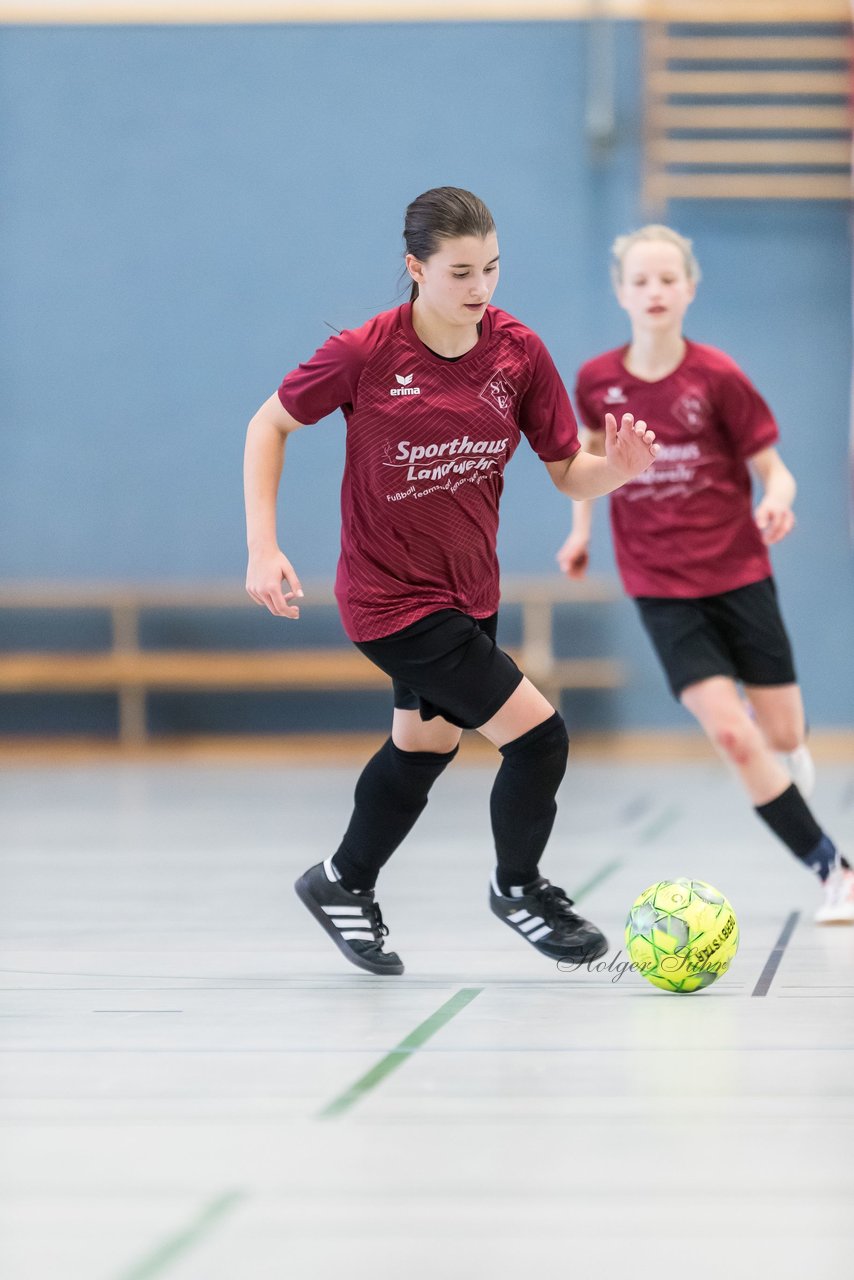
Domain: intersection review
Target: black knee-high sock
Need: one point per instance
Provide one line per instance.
(390, 794)
(791, 820)
(522, 803)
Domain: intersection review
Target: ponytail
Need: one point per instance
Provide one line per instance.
(443, 213)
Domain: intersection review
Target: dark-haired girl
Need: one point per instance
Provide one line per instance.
(436, 395)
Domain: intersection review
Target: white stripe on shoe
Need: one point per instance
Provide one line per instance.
(541, 933)
(533, 927)
(527, 925)
(350, 922)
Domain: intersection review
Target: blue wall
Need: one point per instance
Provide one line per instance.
(185, 207)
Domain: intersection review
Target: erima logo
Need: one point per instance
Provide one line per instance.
(615, 395)
(404, 387)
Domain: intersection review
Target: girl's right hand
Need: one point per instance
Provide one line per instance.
(574, 556)
(264, 578)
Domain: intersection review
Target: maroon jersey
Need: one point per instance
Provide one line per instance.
(427, 443)
(685, 526)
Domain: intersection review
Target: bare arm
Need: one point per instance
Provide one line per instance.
(574, 556)
(774, 514)
(262, 469)
(629, 450)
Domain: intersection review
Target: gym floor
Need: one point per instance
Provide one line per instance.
(196, 1086)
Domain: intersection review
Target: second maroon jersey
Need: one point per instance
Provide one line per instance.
(427, 443)
(685, 527)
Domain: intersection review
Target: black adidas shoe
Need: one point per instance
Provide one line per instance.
(543, 916)
(352, 920)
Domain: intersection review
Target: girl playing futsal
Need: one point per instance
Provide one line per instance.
(694, 555)
(436, 395)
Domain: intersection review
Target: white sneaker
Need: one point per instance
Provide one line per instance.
(801, 768)
(838, 905)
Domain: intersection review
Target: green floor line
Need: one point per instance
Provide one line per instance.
(156, 1263)
(606, 871)
(659, 823)
(400, 1053)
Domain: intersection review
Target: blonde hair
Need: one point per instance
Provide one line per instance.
(654, 233)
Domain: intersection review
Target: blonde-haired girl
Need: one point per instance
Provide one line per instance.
(692, 552)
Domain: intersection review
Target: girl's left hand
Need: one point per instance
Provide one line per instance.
(631, 449)
(774, 520)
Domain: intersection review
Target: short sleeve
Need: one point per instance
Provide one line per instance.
(545, 413)
(326, 382)
(743, 413)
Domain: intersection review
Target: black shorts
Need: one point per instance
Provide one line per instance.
(448, 665)
(737, 633)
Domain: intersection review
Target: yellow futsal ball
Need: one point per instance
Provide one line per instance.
(681, 935)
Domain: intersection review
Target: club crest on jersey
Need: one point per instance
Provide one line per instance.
(404, 385)
(500, 393)
(692, 410)
(615, 395)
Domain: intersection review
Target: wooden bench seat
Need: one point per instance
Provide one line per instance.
(295, 669)
(132, 672)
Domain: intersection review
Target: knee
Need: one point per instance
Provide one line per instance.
(545, 748)
(784, 738)
(738, 739)
(395, 776)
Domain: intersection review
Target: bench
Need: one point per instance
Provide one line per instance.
(132, 671)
